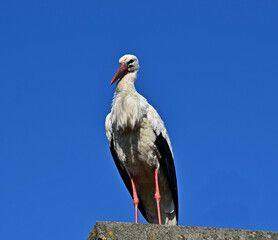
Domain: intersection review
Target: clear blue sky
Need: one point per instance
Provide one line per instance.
(210, 68)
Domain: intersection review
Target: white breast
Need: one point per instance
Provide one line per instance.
(133, 135)
(128, 111)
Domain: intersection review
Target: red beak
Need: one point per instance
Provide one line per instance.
(120, 73)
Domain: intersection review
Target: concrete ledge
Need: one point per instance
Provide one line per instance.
(130, 231)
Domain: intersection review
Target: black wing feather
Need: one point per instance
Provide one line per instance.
(167, 164)
(125, 177)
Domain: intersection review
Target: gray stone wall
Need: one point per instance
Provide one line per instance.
(130, 231)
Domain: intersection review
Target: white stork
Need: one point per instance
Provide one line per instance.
(141, 149)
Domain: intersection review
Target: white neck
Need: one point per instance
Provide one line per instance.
(127, 82)
(129, 107)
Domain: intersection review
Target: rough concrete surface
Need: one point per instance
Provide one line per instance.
(130, 231)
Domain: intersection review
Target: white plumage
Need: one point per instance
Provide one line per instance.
(140, 144)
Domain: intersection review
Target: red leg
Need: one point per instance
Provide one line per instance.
(135, 198)
(157, 196)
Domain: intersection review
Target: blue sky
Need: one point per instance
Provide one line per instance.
(208, 67)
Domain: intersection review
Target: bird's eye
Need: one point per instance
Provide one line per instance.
(131, 61)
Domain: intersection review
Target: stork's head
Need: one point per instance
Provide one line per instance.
(128, 64)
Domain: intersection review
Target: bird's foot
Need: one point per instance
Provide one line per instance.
(157, 196)
(135, 199)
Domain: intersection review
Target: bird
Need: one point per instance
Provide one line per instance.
(141, 148)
